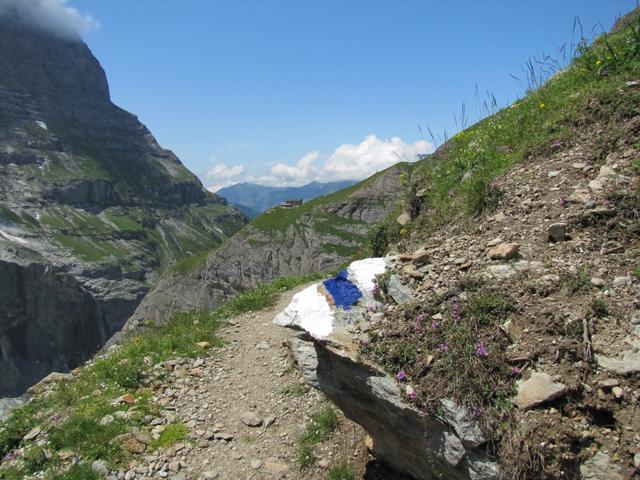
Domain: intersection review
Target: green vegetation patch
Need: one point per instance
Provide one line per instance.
(7, 214)
(91, 250)
(342, 471)
(460, 357)
(296, 390)
(189, 264)
(124, 223)
(172, 434)
(346, 251)
(323, 422)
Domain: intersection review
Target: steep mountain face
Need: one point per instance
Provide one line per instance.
(259, 198)
(319, 236)
(90, 206)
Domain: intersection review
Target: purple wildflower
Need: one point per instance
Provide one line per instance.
(435, 325)
(455, 310)
(481, 349)
(443, 347)
(400, 376)
(563, 202)
(556, 145)
(515, 371)
(476, 412)
(495, 183)
(9, 456)
(412, 395)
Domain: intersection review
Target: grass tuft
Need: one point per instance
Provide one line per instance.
(171, 435)
(322, 424)
(342, 471)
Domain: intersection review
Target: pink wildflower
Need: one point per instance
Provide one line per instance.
(401, 376)
(481, 349)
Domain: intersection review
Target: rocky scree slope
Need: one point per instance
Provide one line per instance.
(317, 237)
(90, 207)
(507, 344)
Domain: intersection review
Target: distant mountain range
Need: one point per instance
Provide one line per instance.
(253, 199)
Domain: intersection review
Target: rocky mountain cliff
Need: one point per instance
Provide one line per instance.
(91, 207)
(317, 237)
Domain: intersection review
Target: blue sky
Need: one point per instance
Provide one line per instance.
(288, 91)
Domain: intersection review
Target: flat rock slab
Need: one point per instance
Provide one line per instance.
(501, 271)
(629, 363)
(398, 291)
(504, 251)
(538, 389)
(250, 419)
(600, 467)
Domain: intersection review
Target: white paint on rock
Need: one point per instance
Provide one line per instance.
(363, 272)
(310, 311)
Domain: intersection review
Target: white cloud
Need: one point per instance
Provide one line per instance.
(219, 186)
(223, 171)
(347, 162)
(356, 162)
(300, 172)
(51, 15)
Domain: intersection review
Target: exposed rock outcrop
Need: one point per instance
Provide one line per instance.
(426, 446)
(50, 322)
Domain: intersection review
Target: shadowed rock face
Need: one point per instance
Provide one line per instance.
(90, 207)
(50, 322)
(423, 446)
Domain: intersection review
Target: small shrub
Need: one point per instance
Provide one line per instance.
(378, 241)
(482, 195)
(600, 308)
(80, 471)
(488, 308)
(322, 424)
(88, 438)
(296, 390)
(342, 471)
(34, 459)
(578, 282)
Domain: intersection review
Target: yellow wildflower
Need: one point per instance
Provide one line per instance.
(598, 62)
(541, 104)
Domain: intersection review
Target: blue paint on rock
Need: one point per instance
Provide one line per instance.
(344, 293)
